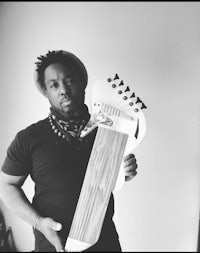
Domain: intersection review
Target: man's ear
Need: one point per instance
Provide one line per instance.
(43, 90)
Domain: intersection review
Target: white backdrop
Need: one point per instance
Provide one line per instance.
(154, 47)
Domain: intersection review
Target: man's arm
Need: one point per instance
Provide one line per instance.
(15, 199)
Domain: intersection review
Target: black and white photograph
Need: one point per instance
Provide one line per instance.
(100, 126)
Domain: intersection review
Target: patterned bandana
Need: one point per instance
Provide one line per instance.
(69, 126)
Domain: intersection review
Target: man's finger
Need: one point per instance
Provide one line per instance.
(128, 178)
(59, 247)
(129, 156)
(130, 163)
(55, 240)
(131, 173)
(56, 226)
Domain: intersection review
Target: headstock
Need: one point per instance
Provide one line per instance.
(125, 92)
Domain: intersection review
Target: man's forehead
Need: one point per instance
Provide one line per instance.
(55, 69)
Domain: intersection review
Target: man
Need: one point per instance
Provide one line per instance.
(53, 154)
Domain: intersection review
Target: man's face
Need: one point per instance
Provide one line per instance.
(63, 87)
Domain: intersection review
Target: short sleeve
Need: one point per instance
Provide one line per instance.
(17, 161)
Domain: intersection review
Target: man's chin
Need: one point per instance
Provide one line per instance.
(70, 108)
(67, 109)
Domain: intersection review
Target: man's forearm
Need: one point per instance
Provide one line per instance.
(15, 199)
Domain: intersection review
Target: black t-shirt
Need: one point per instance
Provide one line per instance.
(58, 168)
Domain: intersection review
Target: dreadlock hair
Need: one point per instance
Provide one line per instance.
(63, 57)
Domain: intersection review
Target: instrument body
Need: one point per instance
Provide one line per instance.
(99, 182)
(117, 113)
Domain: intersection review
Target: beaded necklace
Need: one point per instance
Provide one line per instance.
(68, 128)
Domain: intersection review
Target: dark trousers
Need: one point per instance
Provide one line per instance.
(108, 242)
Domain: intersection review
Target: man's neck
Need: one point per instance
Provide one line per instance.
(69, 114)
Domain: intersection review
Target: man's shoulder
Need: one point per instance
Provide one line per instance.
(37, 125)
(38, 128)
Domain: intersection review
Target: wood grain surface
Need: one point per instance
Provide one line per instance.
(99, 182)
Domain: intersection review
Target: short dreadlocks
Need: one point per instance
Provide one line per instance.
(64, 57)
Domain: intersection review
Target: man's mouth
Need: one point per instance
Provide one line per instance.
(66, 101)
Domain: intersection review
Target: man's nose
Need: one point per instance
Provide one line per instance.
(64, 89)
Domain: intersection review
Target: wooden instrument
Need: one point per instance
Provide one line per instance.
(117, 115)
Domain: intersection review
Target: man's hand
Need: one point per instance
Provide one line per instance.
(130, 166)
(49, 228)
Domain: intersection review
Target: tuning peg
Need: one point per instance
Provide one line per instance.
(138, 100)
(116, 77)
(109, 80)
(127, 89)
(133, 95)
(143, 106)
(121, 83)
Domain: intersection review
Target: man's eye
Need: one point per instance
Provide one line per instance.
(54, 85)
(68, 81)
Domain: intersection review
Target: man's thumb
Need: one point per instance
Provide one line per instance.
(56, 226)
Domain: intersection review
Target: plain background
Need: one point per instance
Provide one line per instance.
(155, 48)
